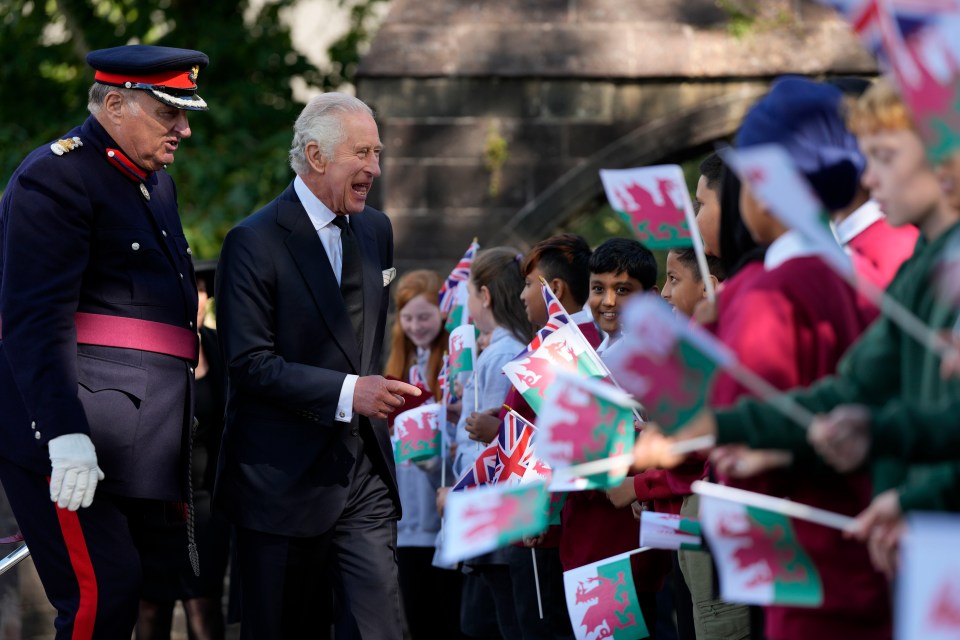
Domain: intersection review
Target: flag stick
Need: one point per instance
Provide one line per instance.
(898, 314)
(595, 466)
(684, 447)
(770, 394)
(698, 249)
(536, 580)
(593, 352)
(777, 505)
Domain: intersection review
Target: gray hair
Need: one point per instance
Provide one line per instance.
(320, 122)
(98, 93)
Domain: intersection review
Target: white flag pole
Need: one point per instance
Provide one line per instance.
(536, 580)
(594, 467)
(777, 505)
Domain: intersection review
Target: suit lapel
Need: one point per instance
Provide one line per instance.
(314, 266)
(372, 284)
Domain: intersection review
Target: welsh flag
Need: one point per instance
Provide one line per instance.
(916, 41)
(558, 346)
(669, 531)
(456, 282)
(460, 314)
(757, 555)
(602, 600)
(665, 362)
(463, 350)
(775, 181)
(928, 582)
(584, 419)
(416, 433)
(490, 517)
(654, 202)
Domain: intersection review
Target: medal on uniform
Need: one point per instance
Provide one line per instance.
(143, 190)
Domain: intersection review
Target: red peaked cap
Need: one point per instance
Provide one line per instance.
(167, 74)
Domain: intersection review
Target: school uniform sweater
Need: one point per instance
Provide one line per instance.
(791, 327)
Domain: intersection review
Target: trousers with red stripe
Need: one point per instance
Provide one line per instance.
(87, 559)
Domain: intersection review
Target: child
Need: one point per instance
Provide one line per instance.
(431, 596)
(684, 286)
(618, 269)
(707, 203)
(591, 527)
(494, 304)
(861, 227)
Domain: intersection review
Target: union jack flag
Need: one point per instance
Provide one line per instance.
(482, 471)
(416, 378)
(515, 457)
(460, 274)
(443, 380)
(885, 26)
(556, 318)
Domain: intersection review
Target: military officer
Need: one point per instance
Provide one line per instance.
(98, 306)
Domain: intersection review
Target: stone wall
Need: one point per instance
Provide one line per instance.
(558, 84)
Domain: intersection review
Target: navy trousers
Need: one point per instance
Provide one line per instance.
(87, 559)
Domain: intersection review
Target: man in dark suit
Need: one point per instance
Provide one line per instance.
(306, 467)
(98, 305)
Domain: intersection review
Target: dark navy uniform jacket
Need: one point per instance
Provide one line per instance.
(77, 234)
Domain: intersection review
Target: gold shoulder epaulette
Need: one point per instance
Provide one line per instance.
(66, 145)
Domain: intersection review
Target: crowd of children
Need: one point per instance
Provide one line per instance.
(884, 440)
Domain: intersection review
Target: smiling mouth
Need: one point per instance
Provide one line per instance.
(361, 189)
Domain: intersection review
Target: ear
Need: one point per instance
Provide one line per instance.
(714, 282)
(655, 289)
(559, 288)
(315, 157)
(113, 106)
(485, 297)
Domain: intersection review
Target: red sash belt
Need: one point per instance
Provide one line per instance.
(133, 333)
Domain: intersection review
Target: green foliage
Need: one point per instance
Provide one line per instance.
(236, 159)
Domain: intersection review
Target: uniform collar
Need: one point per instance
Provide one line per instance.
(106, 145)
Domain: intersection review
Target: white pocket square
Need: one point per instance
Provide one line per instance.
(389, 275)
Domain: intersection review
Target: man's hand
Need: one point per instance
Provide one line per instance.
(377, 397)
(842, 437)
(75, 473)
(739, 461)
(483, 427)
(623, 494)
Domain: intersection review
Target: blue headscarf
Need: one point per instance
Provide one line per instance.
(804, 117)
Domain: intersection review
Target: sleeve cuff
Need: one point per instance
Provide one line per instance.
(345, 403)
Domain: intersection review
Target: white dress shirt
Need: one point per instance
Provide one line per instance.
(329, 233)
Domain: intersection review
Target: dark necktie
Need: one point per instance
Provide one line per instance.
(351, 276)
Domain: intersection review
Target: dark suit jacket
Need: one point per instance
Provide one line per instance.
(285, 463)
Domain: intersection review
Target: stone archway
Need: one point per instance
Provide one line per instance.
(654, 142)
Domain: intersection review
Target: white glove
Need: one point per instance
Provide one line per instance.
(75, 472)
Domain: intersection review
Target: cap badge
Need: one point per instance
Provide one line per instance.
(194, 73)
(143, 190)
(66, 145)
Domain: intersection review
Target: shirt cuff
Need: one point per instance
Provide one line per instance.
(345, 403)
